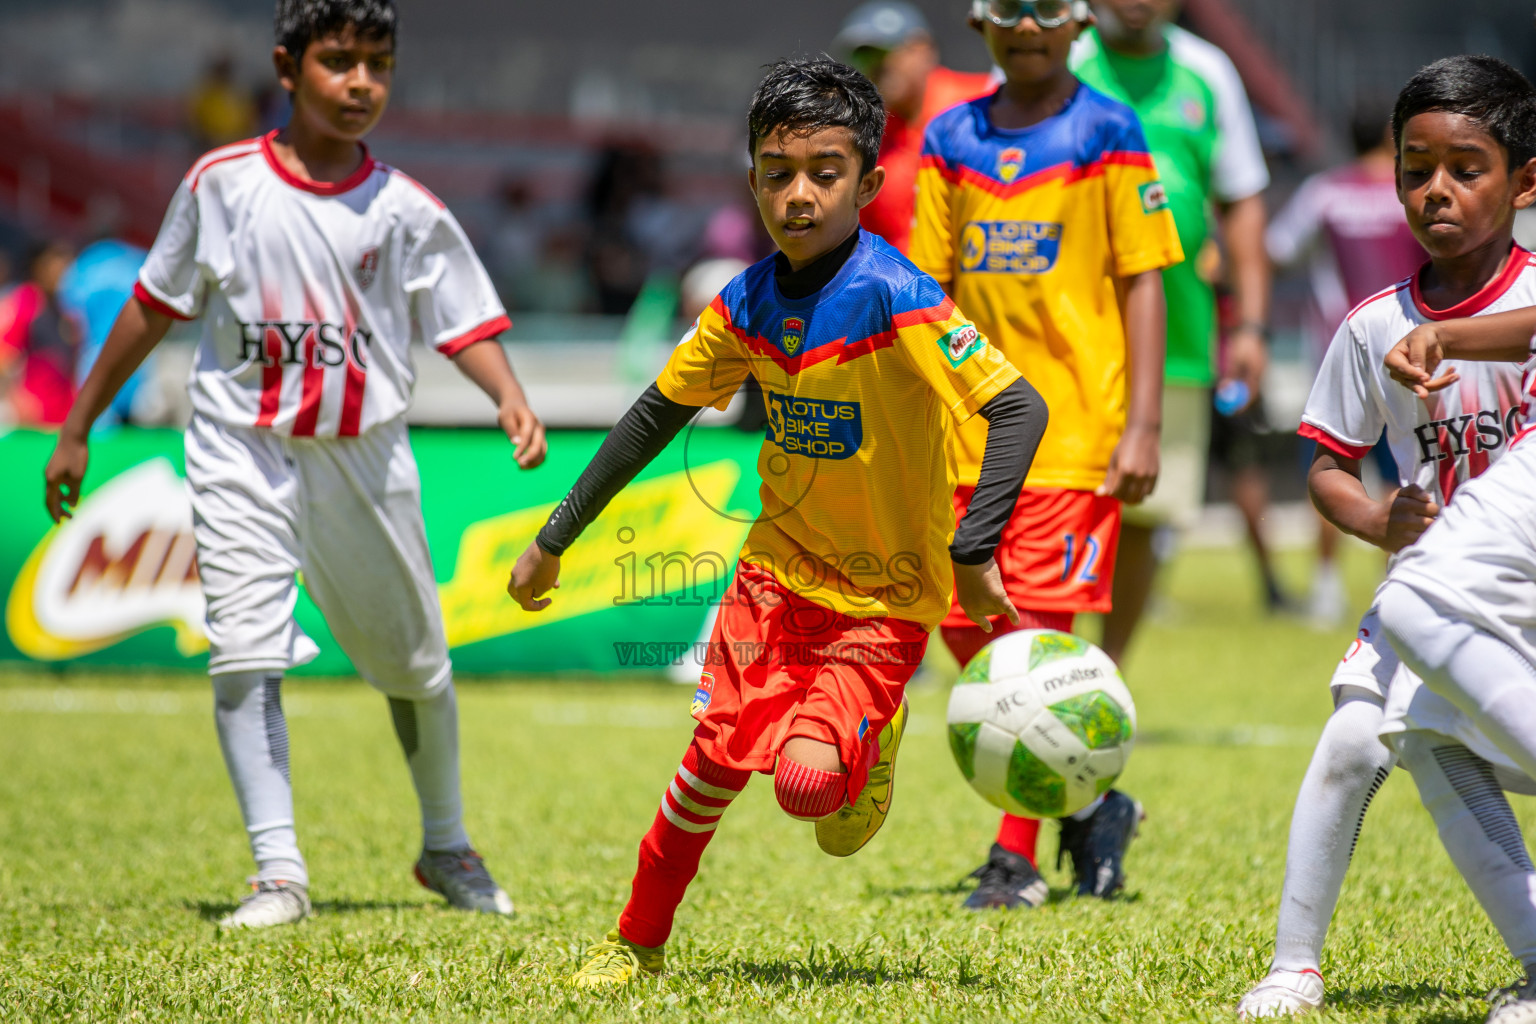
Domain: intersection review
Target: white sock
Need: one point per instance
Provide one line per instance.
(1089, 811)
(1348, 767)
(1487, 680)
(248, 710)
(1480, 833)
(429, 734)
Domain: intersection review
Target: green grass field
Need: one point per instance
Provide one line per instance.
(120, 844)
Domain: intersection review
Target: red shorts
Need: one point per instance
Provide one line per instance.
(781, 666)
(1057, 552)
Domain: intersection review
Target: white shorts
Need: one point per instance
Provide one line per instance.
(346, 513)
(1477, 563)
(1369, 663)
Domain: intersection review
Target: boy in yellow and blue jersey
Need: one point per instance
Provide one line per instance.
(864, 365)
(1040, 212)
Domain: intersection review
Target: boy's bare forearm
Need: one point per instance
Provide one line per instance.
(1340, 497)
(485, 363)
(1497, 337)
(1243, 225)
(1146, 343)
(133, 337)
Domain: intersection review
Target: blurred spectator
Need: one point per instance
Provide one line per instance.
(515, 244)
(891, 44)
(637, 228)
(1201, 132)
(1348, 225)
(92, 293)
(735, 232)
(220, 110)
(38, 343)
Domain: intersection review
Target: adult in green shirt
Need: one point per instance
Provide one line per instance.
(1200, 129)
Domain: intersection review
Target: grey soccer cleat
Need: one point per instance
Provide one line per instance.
(1513, 1005)
(460, 877)
(269, 904)
(1005, 881)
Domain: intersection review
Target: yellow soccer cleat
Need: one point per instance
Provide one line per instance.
(846, 831)
(616, 962)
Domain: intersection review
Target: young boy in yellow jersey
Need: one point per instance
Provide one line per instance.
(864, 366)
(1040, 213)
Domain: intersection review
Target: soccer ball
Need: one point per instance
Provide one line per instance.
(1041, 723)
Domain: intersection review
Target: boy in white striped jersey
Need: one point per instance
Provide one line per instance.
(313, 267)
(1465, 131)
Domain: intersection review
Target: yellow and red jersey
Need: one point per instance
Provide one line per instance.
(862, 382)
(1030, 231)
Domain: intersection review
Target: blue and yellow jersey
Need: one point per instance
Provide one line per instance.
(1030, 232)
(862, 382)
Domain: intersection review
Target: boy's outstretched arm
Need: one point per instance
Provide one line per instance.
(485, 363)
(134, 335)
(648, 427)
(1016, 420)
(1391, 524)
(1134, 465)
(1498, 337)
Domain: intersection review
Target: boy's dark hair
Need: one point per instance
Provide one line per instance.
(297, 23)
(809, 95)
(1487, 91)
(1369, 123)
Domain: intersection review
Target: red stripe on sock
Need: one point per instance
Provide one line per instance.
(808, 792)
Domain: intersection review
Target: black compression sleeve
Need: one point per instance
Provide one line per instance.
(1016, 419)
(648, 427)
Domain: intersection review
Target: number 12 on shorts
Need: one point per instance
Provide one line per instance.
(1083, 548)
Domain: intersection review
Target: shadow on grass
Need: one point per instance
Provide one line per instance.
(1058, 894)
(210, 910)
(1407, 998)
(829, 968)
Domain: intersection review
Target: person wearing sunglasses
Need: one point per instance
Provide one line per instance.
(890, 42)
(1040, 211)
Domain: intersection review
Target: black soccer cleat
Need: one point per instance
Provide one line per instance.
(1005, 881)
(1097, 846)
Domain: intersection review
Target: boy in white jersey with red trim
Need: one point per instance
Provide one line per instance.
(1463, 128)
(313, 267)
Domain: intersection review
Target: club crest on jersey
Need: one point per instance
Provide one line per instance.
(703, 695)
(793, 334)
(1009, 163)
(368, 268)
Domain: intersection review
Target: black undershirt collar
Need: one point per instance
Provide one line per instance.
(807, 281)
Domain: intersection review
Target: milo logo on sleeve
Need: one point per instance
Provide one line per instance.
(960, 344)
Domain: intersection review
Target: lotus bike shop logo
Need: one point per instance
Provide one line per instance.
(1009, 163)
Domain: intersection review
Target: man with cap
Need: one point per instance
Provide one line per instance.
(889, 42)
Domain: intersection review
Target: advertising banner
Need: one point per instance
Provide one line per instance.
(117, 585)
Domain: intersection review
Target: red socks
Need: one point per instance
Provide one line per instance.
(1018, 835)
(808, 793)
(670, 851)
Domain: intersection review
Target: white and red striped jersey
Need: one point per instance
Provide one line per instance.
(311, 293)
(1437, 442)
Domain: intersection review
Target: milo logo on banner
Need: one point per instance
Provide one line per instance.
(124, 563)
